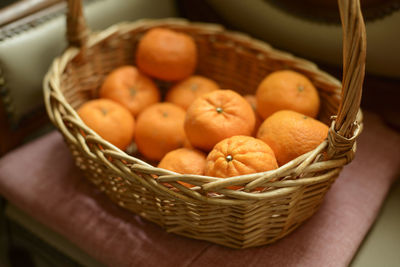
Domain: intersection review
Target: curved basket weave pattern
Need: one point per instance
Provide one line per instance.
(209, 211)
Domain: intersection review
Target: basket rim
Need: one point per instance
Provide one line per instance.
(52, 84)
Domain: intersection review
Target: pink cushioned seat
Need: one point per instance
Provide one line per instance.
(41, 179)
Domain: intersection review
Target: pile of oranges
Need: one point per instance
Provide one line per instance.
(198, 127)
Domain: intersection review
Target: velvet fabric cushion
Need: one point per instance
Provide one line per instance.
(40, 178)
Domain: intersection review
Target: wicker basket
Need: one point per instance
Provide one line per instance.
(209, 211)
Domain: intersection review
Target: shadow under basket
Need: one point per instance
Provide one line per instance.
(209, 211)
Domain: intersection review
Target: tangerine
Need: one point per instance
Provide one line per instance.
(218, 115)
(166, 54)
(291, 134)
(287, 89)
(131, 88)
(159, 129)
(112, 121)
(185, 92)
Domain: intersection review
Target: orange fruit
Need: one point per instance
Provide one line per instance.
(218, 115)
(186, 91)
(287, 89)
(166, 54)
(159, 129)
(184, 161)
(131, 88)
(291, 134)
(239, 155)
(253, 102)
(113, 122)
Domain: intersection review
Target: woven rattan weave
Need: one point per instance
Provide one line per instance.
(209, 211)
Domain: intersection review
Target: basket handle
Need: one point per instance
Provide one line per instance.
(77, 31)
(345, 128)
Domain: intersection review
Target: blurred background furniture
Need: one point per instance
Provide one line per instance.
(32, 35)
